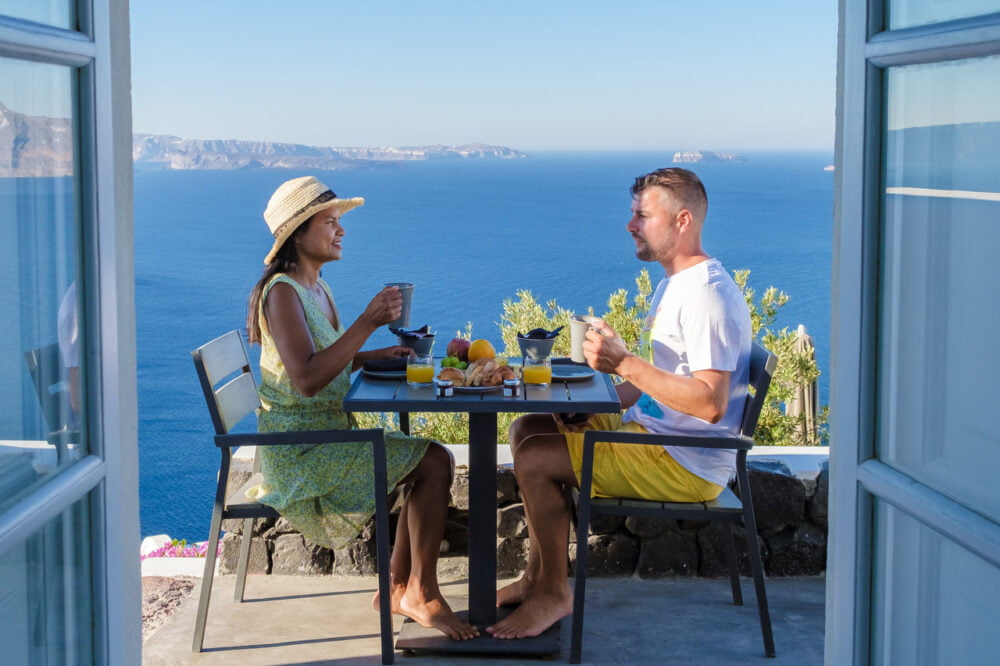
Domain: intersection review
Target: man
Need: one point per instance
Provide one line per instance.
(690, 378)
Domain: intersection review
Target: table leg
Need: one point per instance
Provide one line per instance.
(482, 518)
(404, 423)
(482, 563)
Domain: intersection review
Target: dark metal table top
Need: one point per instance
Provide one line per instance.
(595, 395)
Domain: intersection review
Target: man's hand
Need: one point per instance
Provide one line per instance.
(572, 422)
(603, 349)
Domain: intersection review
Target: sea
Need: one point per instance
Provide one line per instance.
(469, 234)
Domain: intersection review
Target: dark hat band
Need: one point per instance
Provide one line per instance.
(323, 197)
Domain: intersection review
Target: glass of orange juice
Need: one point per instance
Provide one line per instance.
(419, 370)
(537, 371)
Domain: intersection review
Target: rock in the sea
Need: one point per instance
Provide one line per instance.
(696, 156)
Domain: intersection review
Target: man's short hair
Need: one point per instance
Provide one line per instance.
(684, 186)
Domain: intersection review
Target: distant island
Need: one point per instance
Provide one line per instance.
(38, 146)
(695, 156)
(170, 152)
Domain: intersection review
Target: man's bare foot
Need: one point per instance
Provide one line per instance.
(513, 593)
(538, 612)
(432, 612)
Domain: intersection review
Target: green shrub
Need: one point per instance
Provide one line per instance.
(625, 314)
(795, 369)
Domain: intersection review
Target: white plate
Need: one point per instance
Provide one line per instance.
(476, 389)
(571, 373)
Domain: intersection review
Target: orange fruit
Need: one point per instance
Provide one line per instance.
(481, 349)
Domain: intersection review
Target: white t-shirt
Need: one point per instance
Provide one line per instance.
(698, 320)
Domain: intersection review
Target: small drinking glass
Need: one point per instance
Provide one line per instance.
(419, 370)
(537, 371)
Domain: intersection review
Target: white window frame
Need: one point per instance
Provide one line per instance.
(864, 51)
(110, 472)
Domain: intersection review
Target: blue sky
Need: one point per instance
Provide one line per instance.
(728, 74)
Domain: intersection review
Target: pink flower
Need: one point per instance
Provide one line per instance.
(180, 548)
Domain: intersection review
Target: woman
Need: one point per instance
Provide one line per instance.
(325, 491)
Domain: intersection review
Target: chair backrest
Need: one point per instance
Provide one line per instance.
(229, 400)
(762, 365)
(49, 377)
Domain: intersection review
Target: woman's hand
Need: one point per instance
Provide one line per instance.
(395, 351)
(380, 354)
(384, 308)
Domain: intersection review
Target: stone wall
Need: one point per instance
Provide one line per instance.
(791, 519)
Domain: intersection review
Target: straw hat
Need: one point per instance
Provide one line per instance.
(294, 202)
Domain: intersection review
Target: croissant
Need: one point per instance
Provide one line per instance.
(488, 378)
(456, 376)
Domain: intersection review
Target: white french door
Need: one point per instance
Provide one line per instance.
(914, 564)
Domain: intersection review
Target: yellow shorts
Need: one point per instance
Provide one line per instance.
(636, 470)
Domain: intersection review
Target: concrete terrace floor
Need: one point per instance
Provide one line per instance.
(329, 620)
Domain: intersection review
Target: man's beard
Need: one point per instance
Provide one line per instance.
(643, 253)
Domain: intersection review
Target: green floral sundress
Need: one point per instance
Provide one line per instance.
(323, 490)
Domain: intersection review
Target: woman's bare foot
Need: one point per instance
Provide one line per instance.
(513, 593)
(430, 611)
(396, 592)
(434, 612)
(539, 611)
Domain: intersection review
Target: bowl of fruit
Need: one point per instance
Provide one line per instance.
(474, 366)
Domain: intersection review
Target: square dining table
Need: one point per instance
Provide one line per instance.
(574, 388)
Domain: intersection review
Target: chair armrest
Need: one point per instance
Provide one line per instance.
(740, 442)
(293, 437)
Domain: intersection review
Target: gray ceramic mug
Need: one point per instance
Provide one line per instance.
(406, 291)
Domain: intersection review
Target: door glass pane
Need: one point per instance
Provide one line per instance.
(934, 602)
(40, 360)
(910, 13)
(57, 13)
(46, 594)
(939, 318)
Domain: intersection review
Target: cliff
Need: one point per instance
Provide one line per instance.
(36, 146)
(170, 152)
(695, 156)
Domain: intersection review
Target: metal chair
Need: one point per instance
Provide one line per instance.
(49, 377)
(231, 394)
(726, 509)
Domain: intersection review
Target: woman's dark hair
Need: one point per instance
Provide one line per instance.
(285, 261)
